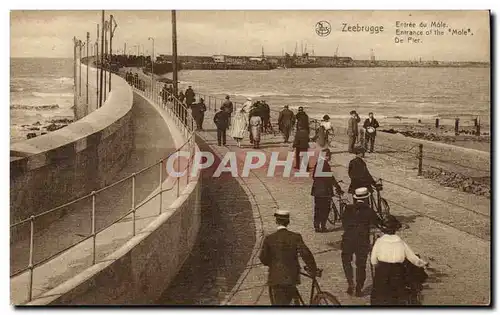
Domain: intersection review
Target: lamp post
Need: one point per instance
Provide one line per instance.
(88, 65)
(174, 51)
(152, 62)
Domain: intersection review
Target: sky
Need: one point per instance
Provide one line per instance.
(50, 33)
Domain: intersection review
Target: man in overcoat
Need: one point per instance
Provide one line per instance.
(280, 252)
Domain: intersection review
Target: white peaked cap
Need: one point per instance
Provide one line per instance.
(282, 213)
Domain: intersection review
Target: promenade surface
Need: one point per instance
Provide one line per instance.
(448, 228)
(152, 141)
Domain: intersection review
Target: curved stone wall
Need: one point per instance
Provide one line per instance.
(139, 271)
(53, 169)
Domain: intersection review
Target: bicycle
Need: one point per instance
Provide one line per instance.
(379, 204)
(318, 296)
(336, 214)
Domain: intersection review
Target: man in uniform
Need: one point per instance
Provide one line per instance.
(286, 120)
(280, 252)
(322, 191)
(357, 220)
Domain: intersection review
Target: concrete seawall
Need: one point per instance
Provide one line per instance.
(52, 169)
(140, 270)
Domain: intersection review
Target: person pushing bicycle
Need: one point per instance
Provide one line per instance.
(357, 220)
(280, 252)
(322, 190)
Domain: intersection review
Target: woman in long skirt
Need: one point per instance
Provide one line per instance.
(388, 255)
(239, 126)
(324, 133)
(255, 130)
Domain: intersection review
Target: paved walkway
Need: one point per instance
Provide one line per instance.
(152, 142)
(448, 228)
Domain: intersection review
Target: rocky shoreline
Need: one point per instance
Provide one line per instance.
(465, 138)
(477, 186)
(36, 129)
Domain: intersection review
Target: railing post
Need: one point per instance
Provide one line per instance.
(30, 266)
(178, 187)
(93, 229)
(420, 157)
(161, 184)
(457, 121)
(437, 123)
(133, 204)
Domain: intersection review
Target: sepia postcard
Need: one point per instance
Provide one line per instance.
(250, 158)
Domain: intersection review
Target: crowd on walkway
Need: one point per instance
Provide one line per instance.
(390, 256)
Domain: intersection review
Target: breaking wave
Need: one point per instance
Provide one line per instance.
(35, 107)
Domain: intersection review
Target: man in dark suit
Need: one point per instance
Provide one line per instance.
(302, 120)
(228, 106)
(352, 130)
(190, 96)
(221, 120)
(322, 190)
(301, 145)
(280, 252)
(370, 125)
(357, 220)
(286, 121)
(358, 172)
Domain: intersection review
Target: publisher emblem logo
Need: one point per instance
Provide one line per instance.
(323, 28)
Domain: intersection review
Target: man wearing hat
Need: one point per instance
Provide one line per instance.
(286, 120)
(228, 106)
(352, 130)
(280, 252)
(358, 172)
(302, 119)
(322, 191)
(357, 220)
(221, 120)
(190, 96)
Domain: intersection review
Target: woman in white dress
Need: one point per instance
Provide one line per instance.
(388, 256)
(239, 125)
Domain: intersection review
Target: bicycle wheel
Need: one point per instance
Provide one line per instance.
(325, 298)
(333, 214)
(384, 207)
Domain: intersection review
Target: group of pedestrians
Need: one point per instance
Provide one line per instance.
(389, 255)
(367, 139)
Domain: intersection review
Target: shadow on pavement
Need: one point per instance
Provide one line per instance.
(224, 246)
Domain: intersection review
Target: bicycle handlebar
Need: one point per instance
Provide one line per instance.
(307, 273)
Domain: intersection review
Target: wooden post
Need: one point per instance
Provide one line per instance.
(437, 123)
(420, 157)
(457, 121)
(478, 126)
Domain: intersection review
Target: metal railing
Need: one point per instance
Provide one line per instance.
(184, 121)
